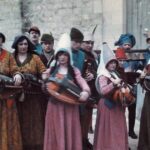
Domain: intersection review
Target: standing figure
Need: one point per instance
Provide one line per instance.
(63, 130)
(34, 34)
(89, 74)
(10, 135)
(111, 130)
(144, 135)
(31, 109)
(78, 56)
(47, 55)
(126, 42)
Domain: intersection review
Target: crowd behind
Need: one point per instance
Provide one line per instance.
(38, 120)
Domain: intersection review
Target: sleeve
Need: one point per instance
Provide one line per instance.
(105, 88)
(40, 66)
(81, 81)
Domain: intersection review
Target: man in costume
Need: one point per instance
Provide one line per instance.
(47, 55)
(126, 42)
(34, 34)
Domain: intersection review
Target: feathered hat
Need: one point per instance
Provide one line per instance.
(89, 36)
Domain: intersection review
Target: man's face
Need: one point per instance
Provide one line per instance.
(126, 46)
(87, 45)
(34, 36)
(75, 45)
(47, 46)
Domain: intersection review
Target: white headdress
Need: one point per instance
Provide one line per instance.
(106, 56)
(64, 44)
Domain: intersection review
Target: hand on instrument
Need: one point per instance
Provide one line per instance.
(89, 76)
(45, 74)
(116, 81)
(84, 96)
(18, 79)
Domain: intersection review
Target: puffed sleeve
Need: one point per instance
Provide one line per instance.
(81, 81)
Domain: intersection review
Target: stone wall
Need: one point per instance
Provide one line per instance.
(60, 15)
(10, 20)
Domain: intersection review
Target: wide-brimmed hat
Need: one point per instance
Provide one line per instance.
(18, 38)
(3, 37)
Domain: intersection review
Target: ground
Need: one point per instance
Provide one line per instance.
(132, 142)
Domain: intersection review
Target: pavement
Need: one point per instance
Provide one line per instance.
(132, 142)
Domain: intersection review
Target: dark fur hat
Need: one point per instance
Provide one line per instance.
(47, 38)
(76, 35)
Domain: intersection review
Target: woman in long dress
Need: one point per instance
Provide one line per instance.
(32, 108)
(111, 130)
(63, 130)
(10, 135)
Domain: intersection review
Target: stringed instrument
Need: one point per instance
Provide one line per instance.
(64, 90)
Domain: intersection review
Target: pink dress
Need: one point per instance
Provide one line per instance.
(62, 127)
(111, 130)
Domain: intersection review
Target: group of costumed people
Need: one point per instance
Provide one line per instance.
(37, 116)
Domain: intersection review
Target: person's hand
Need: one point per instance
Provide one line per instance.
(143, 74)
(84, 96)
(45, 74)
(89, 76)
(116, 81)
(18, 79)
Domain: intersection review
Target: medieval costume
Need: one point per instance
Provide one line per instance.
(63, 130)
(32, 107)
(10, 135)
(35, 37)
(111, 130)
(144, 135)
(47, 54)
(89, 74)
(126, 42)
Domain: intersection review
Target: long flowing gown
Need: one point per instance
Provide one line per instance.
(10, 135)
(111, 130)
(62, 129)
(32, 109)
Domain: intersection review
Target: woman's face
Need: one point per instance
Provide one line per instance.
(63, 59)
(112, 66)
(22, 46)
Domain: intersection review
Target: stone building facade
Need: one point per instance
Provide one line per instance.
(59, 16)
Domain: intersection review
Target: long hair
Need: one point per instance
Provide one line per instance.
(70, 68)
(30, 46)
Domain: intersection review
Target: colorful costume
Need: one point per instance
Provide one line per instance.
(33, 108)
(10, 135)
(63, 131)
